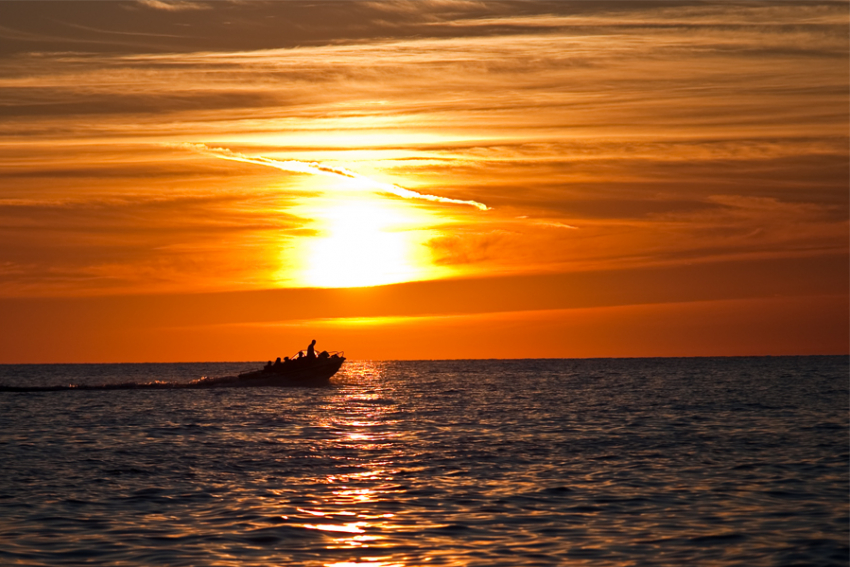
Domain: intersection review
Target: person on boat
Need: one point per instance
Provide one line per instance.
(311, 351)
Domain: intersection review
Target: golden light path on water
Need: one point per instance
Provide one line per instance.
(364, 427)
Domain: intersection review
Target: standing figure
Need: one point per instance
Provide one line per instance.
(311, 350)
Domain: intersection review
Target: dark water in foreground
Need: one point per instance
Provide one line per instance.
(541, 462)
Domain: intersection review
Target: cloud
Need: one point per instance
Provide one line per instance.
(666, 133)
(471, 248)
(173, 5)
(553, 224)
(316, 168)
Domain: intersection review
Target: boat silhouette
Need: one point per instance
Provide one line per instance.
(301, 371)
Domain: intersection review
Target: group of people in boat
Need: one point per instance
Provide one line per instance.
(302, 358)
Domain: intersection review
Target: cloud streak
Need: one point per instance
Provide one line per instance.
(316, 168)
(173, 5)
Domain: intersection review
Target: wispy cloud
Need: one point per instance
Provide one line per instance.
(316, 168)
(173, 5)
(604, 136)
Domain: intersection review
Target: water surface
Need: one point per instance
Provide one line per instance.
(539, 462)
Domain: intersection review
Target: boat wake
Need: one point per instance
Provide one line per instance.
(299, 372)
(203, 382)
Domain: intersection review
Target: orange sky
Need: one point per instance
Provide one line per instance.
(219, 180)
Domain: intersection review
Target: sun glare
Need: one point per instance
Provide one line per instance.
(364, 241)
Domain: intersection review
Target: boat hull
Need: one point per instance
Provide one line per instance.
(317, 373)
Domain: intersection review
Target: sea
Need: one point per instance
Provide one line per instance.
(605, 462)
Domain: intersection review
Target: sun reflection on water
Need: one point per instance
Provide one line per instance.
(368, 563)
(353, 512)
(351, 528)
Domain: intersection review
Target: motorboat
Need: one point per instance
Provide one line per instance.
(297, 371)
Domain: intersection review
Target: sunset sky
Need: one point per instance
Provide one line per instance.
(205, 181)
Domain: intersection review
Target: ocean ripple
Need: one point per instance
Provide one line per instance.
(539, 462)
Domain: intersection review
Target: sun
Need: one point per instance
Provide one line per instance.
(365, 240)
